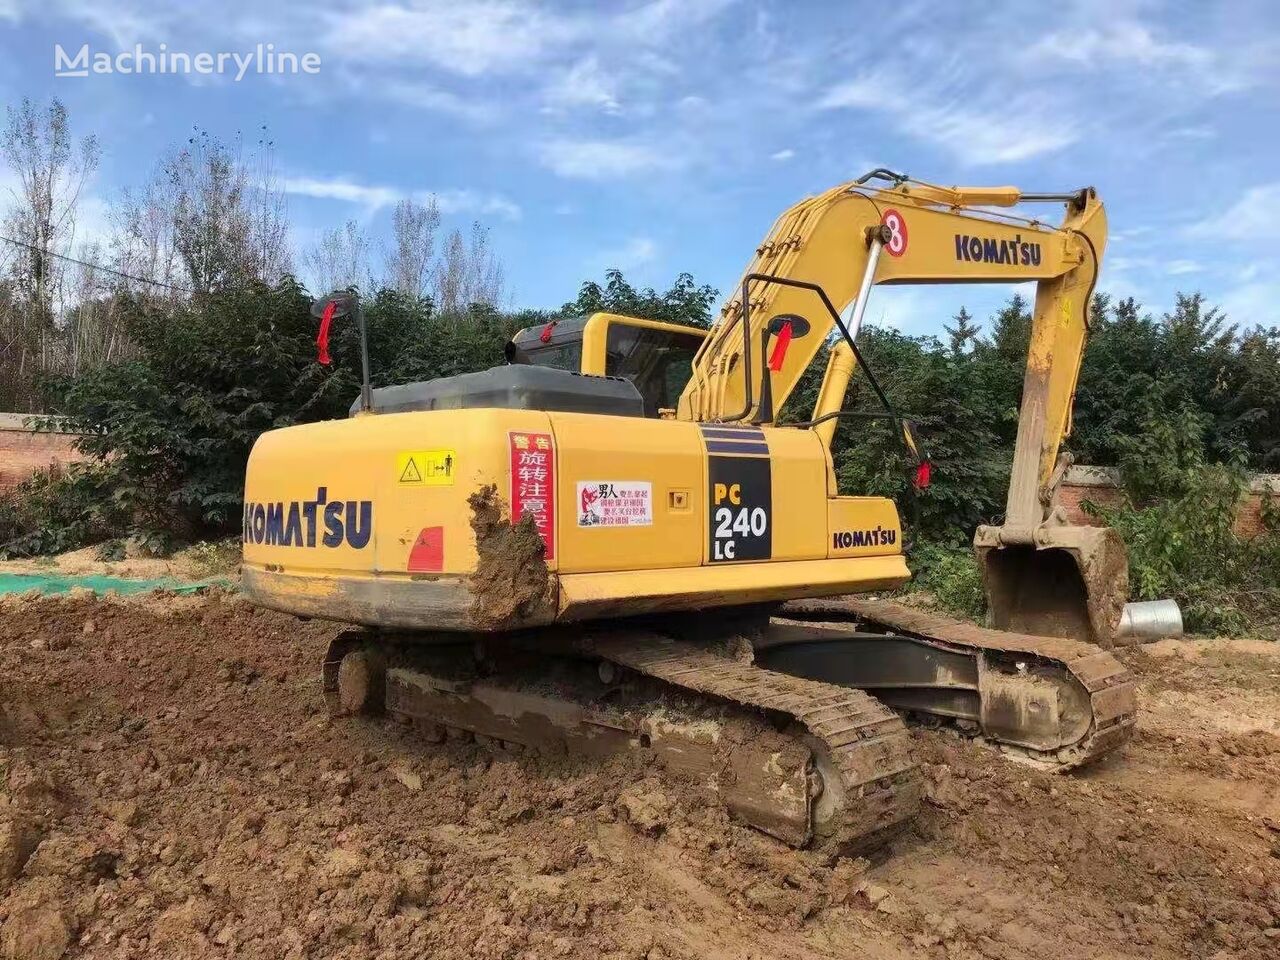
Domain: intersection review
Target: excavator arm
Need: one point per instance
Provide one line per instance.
(856, 236)
(822, 258)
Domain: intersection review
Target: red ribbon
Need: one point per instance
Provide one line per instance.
(780, 348)
(924, 473)
(322, 338)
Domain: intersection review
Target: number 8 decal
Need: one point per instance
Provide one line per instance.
(897, 225)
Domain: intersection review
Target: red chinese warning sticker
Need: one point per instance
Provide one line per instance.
(533, 483)
(615, 503)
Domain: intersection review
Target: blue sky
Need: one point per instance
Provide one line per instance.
(666, 135)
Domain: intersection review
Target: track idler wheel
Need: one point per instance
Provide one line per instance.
(362, 683)
(354, 676)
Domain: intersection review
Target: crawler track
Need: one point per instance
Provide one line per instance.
(876, 785)
(808, 762)
(1107, 690)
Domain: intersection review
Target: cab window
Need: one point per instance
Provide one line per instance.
(658, 362)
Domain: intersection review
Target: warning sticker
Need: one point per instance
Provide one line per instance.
(533, 483)
(615, 503)
(426, 468)
(897, 225)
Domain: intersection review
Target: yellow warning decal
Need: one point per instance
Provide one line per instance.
(426, 468)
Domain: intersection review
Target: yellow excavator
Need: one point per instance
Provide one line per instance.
(612, 544)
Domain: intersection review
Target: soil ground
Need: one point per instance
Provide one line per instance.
(172, 787)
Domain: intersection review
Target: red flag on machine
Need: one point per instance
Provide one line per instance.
(322, 338)
(924, 474)
(780, 348)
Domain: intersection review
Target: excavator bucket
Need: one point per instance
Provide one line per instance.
(1069, 581)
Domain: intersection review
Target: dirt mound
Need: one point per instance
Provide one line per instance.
(511, 583)
(171, 786)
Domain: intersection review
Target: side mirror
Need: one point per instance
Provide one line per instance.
(339, 305)
(345, 302)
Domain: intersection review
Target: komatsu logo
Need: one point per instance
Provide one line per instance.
(847, 539)
(301, 523)
(1016, 252)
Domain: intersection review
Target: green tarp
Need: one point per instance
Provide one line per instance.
(61, 583)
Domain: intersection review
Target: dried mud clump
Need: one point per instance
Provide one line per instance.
(511, 584)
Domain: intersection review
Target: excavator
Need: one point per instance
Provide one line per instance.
(615, 543)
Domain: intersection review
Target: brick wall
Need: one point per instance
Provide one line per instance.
(23, 451)
(1102, 486)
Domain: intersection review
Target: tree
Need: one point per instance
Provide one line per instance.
(685, 302)
(205, 218)
(340, 259)
(1004, 360)
(467, 273)
(411, 258)
(965, 332)
(142, 239)
(210, 220)
(50, 168)
(270, 256)
(229, 218)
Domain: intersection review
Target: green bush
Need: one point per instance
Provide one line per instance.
(59, 510)
(950, 574)
(1178, 522)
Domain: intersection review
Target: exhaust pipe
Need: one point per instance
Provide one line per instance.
(1150, 620)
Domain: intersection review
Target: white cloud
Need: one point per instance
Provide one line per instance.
(1251, 271)
(1202, 132)
(1178, 268)
(1010, 129)
(477, 37)
(124, 22)
(1112, 40)
(1254, 217)
(467, 38)
(428, 96)
(472, 203)
(603, 159)
(1251, 304)
(584, 85)
(636, 252)
(341, 189)
(661, 19)
(374, 198)
(1123, 40)
(786, 154)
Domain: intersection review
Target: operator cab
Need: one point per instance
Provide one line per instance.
(605, 363)
(656, 357)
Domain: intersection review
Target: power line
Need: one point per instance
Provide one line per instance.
(95, 266)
